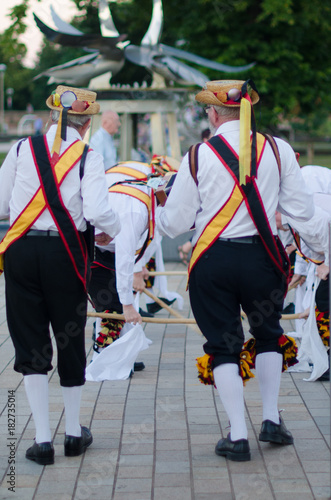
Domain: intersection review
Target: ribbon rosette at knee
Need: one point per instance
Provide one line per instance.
(110, 331)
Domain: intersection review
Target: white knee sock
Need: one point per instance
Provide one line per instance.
(231, 390)
(36, 388)
(72, 398)
(268, 370)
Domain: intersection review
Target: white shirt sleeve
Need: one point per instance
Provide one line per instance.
(134, 224)
(7, 180)
(295, 198)
(94, 191)
(178, 214)
(314, 233)
(300, 265)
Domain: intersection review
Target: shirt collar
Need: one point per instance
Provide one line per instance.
(232, 126)
(72, 133)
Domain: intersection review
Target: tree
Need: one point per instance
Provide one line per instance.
(12, 52)
(289, 41)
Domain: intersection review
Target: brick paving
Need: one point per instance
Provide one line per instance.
(154, 434)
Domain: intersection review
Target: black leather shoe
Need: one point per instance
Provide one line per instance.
(154, 307)
(145, 314)
(237, 451)
(139, 366)
(325, 376)
(42, 453)
(74, 446)
(289, 309)
(275, 433)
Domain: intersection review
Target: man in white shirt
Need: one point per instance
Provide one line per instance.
(314, 244)
(49, 187)
(230, 264)
(118, 270)
(103, 141)
(120, 254)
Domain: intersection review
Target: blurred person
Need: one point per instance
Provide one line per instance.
(102, 141)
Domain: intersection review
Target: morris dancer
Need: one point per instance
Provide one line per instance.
(230, 189)
(115, 276)
(312, 241)
(49, 187)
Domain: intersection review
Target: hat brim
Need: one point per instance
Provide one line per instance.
(205, 96)
(93, 108)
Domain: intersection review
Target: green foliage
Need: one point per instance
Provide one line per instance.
(12, 52)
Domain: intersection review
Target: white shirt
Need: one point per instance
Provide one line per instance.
(318, 178)
(188, 204)
(103, 143)
(314, 234)
(134, 218)
(86, 199)
(319, 181)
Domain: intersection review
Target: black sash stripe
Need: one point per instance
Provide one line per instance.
(72, 239)
(254, 205)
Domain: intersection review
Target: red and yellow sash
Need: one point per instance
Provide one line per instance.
(38, 203)
(296, 238)
(147, 200)
(224, 216)
(122, 168)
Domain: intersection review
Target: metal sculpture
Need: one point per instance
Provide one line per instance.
(108, 52)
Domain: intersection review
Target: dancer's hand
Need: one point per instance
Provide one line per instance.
(138, 282)
(323, 271)
(131, 315)
(297, 279)
(103, 239)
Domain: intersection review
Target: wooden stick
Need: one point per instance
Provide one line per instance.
(291, 316)
(283, 316)
(170, 321)
(166, 307)
(167, 273)
(293, 286)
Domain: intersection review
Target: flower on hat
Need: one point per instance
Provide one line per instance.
(222, 96)
(56, 99)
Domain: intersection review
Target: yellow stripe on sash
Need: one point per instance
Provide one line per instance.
(217, 225)
(221, 219)
(37, 204)
(314, 261)
(144, 198)
(131, 172)
(131, 191)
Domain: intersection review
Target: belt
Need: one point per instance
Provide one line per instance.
(245, 239)
(36, 232)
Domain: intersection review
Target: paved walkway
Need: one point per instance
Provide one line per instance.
(154, 434)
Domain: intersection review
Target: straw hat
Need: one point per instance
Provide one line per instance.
(225, 93)
(163, 164)
(76, 101)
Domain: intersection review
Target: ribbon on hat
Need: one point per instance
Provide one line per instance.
(247, 148)
(61, 131)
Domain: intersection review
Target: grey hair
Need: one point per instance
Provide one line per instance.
(229, 112)
(75, 121)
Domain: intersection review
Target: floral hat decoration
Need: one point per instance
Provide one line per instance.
(243, 95)
(72, 101)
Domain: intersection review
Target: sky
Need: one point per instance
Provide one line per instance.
(33, 36)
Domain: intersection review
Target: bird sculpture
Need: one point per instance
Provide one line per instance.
(107, 53)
